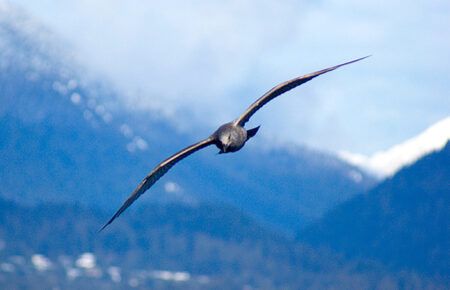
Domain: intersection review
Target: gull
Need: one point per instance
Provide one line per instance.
(229, 137)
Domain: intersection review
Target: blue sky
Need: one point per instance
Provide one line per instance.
(202, 63)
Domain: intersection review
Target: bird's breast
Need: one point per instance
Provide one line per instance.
(231, 137)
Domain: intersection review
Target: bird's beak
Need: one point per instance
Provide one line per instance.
(223, 150)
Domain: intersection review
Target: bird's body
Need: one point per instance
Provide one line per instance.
(229, 137)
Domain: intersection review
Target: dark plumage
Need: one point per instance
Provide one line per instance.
(230, 137)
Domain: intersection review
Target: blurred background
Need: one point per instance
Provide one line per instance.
(346, 185)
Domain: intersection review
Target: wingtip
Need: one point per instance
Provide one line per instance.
(108, 223)
(361, 58)
(355, 60)
(104, 227)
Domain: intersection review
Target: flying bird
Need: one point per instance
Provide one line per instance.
(229, 137)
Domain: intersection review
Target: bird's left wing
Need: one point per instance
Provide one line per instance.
(157, 173)
(281, 89)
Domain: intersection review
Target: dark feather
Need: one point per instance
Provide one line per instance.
(252, 132)
(157, 173)
(281, 89)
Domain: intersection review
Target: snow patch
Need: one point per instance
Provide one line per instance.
(40, 262)
(133, 282)
(141, 144)
(73, 273)
(86, 261)
(114, 273)
(126, 130)
(94, 272)
(131, 147)
(59, 88)
(388, 162)
(72, 84)
(171, 276)
(75, 98)
(171, 187)
(138, 143)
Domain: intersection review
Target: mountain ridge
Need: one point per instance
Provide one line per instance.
(385, 163)
(402, 222)
(171, 246)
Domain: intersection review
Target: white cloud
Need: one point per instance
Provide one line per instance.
(198, 61)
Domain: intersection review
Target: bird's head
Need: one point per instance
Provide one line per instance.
(225, 143)
(230, 138)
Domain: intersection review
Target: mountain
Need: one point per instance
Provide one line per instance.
(387, 162)
(214, 247)
(67, 137)
(171, 246)
(404, 222)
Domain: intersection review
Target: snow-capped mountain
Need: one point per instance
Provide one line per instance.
(403, 222)
(387, 162)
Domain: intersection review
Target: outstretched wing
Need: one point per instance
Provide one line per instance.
(281, 89)
(157, 173)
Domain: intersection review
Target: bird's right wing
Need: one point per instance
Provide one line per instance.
(157, 173)
(281, 89)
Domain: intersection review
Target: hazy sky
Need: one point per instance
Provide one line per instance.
(206, 61)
